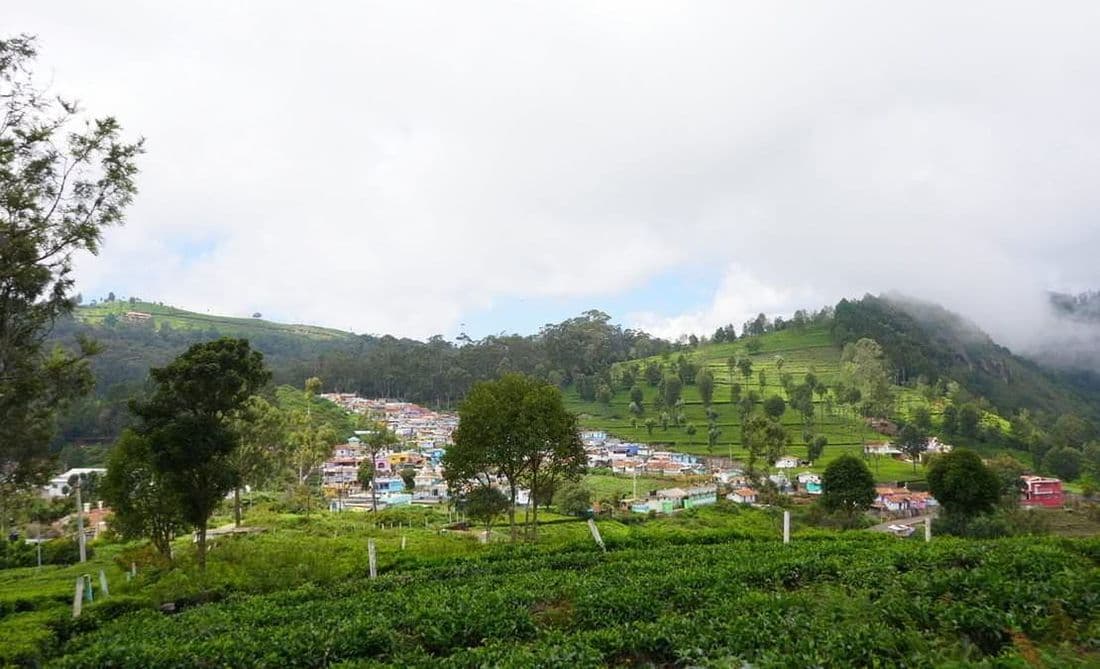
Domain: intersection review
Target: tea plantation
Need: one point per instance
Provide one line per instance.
(693, 599)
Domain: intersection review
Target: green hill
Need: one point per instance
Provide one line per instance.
(157, 316)
(799, 351)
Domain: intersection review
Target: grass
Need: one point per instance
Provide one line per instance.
(181, 319)
(605, 486)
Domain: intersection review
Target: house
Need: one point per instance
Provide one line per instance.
(59, 484)
(782, 483)
(810, 483)
(742, 496)
(787, 462)
(700, 496)
(881, 448)
(1041, 491)
(937, 446)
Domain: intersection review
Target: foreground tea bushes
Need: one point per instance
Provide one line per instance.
(839, 602)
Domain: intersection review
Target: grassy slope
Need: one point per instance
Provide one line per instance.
(189, 320)
(802, 351)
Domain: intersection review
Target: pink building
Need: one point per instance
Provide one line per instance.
(1041, 491)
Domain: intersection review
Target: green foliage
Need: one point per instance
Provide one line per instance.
(704, 382)
(962, 484)
(186, 422)
(774, 406)
(484, 504)
(847, 486)
(1063, 462)
(860, 601)
(573, 498)
(63, 180)
(143, 505)
(518, 428)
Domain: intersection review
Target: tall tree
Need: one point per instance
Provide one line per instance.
(261, 432)
(763, 437)
(704, 381)
(913, 442)
(865, 367)
(142, 505)
(847, 486)
(962, 484)
(187, 421)
(516, 428)
(62, 181)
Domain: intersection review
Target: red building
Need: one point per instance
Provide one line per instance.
(1041, 491)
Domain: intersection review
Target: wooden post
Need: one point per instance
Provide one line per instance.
(78, 596)
(596, 534)
(402, 542)
(372, 558)
(133, 569)
(928, 530)
(786, 527)
(103, 583)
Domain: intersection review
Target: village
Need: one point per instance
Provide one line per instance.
(410, 473)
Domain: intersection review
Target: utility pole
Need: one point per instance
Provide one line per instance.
(80, 522)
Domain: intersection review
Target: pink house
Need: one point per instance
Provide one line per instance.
(1041, 491)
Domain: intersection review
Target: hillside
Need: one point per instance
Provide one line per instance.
(791, 351)
(161, 316)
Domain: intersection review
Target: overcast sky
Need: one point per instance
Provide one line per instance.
(410, 167)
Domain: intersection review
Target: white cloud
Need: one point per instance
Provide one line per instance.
(739, 298)
(390, 167)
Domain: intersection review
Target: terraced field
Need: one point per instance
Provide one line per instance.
(799, 352)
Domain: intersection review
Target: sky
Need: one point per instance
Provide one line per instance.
(414, 167)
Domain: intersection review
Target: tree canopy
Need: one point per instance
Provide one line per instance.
(847, 485)
(62, 181)
(962, 484)
(187, 421)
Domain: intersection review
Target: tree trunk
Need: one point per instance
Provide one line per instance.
(202, 547)
(237, 507)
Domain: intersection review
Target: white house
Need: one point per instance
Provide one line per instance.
(742, 496)
(881, 448)
(786, 462)
(57, 485)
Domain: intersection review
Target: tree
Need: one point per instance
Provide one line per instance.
(713, 433)
(637, 396)
(518, 428)
(690, 430)
(650, 423)
(670, 389)
(746, 404)
(365, 473)
(1064, 462)
(949, 420)
(704, 381)
(968, 421)
(408, 477)
(866, 368)
(377, 437)
(922, 419)
(774, 406)
(847, 486)
(912, 442)
(187, 422)
(603, 394)
(1008, 471)
(62, 182)
(573, 499)
(142, 506)
(762, 377)
(484, 504)
(744, 365)
(763, 437)
(816, 447)
(310, 443)
(962, 484)
(261, 429)
(652, 373)
(735, 393)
